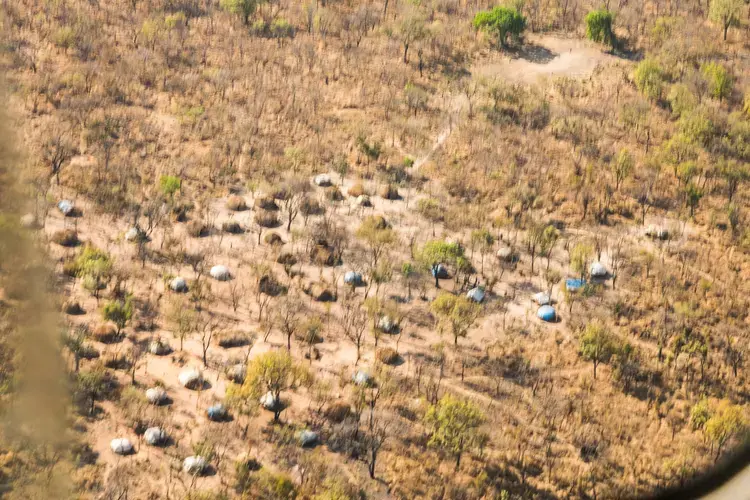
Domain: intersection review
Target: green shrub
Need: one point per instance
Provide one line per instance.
(599, 27)
(501, 22)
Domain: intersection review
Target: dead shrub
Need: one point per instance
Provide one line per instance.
(266, 218)
(66, 238)
(106, 334)
(338, 411)
(388, 356)
(231, 227)
(265, 203)
(356, 190)
(196, 229)
(273, 239)
(236, 203)
(228, 340)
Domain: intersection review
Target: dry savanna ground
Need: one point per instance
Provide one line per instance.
(206, 181)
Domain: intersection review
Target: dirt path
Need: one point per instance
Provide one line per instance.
(541, 56)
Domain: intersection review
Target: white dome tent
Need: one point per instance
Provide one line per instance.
(542, 298)
(194, 465)
(220, 273)
(598, 270)
(156, 395)
(178, 285)
(154, 436)
(191, 378)
(121, 446)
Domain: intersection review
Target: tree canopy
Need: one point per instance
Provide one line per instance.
(599, 27)
(501, 22)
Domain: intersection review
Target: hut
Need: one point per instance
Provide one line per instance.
(361, 377)
(156, 395)
(542, 298)
(353, 278)
(598, 270)
(220, 273)
(476, 294)
(546, 313)
(191, 378)
(507, 254)
(217, 412)
(387, 324)
(134, 235)
(439, 271)
(308, 438)
(269, 401)
(154, 436)
(194, 465)
(121, 446)
(236, 373)
(66, 207)
(178, 285)
(322, 180)
(159, 347)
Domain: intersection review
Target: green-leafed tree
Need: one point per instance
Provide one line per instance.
(600, 27)
(726, 13)
(501, 22)
(456, 313)
(597, 344)
(119, 312)
(649, 78)
(454, 426)
(718, 79)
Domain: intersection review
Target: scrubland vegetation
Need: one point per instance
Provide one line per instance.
(299, 248)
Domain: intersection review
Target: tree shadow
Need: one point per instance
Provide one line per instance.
(533, 53)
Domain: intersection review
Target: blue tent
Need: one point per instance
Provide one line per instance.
(574, 284)
(217, 412)
(546, 313)
(439, 271)
(352, 278)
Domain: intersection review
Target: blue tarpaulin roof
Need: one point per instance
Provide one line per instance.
(574, 284)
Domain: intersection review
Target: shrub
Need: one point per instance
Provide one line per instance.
(272, 238)
(388, 192)
(266, 218)
(599, 27)
(333, 193)
(236, 203)
(228, 340)
(232, 227)
(265, 203)
(72, 308)
(388, 356)
(66, 238)
(356, 190)
(649, 78)
(501, 22)
(196, 228)
(169, 185)
(338, 411)
(718, 79)
(65, 37)
(106, 334)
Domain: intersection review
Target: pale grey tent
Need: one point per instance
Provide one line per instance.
(194, 465)
(154, 436)
(220, 273)
(121, 446)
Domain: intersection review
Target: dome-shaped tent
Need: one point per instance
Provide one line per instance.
(194, 465)
(308, 438)
(322, 180)
(66, 207)
(542, 298)
(598, 270)
(546, 313)
(269, 401)
(178, 285)
(439, 271)
(476, 294)
(156, 395)
(154, 436)
(191, 378)
(134, 234)
(121, 446)
(220, 273)
(159, 347)
(352, 278)
(217, 412)
(361, 377)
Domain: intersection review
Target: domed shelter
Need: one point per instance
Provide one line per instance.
(191, 378)
(361, 377)
(155, 436)
(439, 271)
(308, 438)
(178, 285)
(547, 313)
(322, 180)
(66, 207)
(194, 465)
(542, 298)
(353, 278)
(220, 273)
(269, 401)
(507, 254)
(121, 446)
(476, 294)
(134, 235)
(598, 270)
(159, 347)
(387, 324)
(156, 395)
(217, 412)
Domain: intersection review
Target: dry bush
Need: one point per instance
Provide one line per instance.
(265, 203)
(66, 238)
(106, 334)
(388, 356)
(273, 239)
(287, 259)
(356, 190)
(196, 229)
(321, 255)
(233, 339)
(388, 192)
(266, 218)
(236, 203)
(321, 293)
(72, 307)
(338, 411)
(332, 193)
(231, 227)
